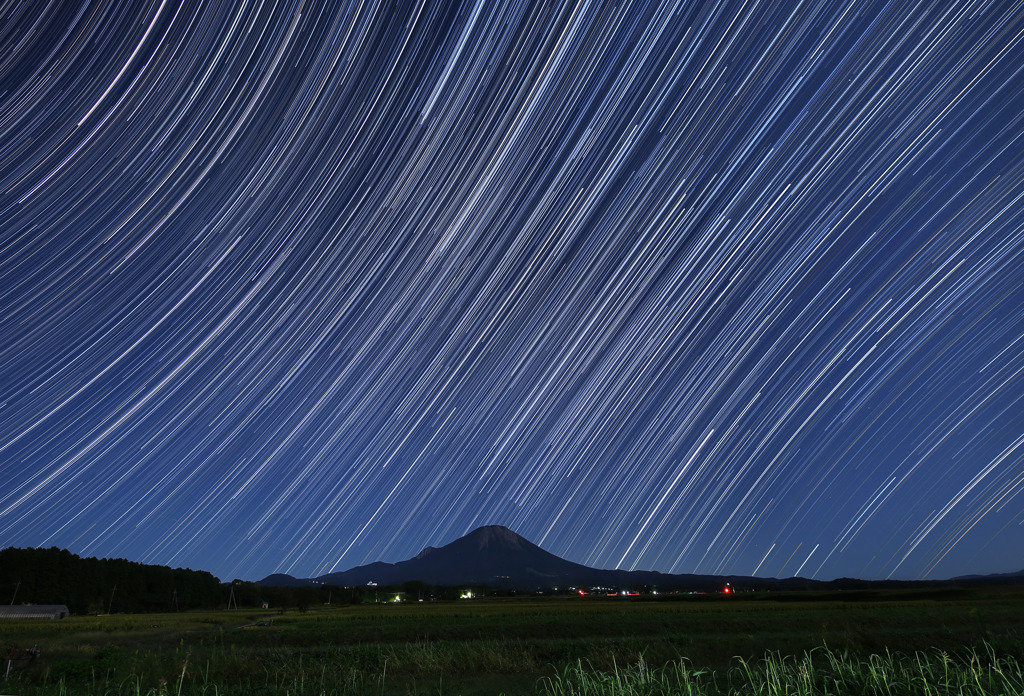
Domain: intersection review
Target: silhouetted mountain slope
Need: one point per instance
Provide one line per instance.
(283, 580)
(1018, 575)
(498, 557)
(493, 556)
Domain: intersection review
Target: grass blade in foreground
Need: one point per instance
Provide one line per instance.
(820, 671)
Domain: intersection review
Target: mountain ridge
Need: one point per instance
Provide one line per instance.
(496, 556)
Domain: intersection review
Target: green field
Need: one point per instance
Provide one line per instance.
(908, 641)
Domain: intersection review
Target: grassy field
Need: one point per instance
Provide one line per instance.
(909, 641)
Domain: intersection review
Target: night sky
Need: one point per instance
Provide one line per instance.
(706, 287)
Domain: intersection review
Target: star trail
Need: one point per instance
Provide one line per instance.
(697, 287)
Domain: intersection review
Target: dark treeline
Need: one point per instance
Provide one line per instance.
(95, 585)
(100, 586)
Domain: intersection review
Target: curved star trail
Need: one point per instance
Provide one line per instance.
(710, 287)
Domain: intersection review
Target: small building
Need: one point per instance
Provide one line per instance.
(33, 611)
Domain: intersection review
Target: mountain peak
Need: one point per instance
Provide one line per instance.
(492, 554)
(496, 535)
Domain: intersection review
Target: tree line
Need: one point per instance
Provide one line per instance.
(102, 585)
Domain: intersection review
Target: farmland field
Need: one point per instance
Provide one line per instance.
(532, 645)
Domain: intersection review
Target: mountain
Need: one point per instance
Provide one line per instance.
(498, 557)
(993, 577)
(283, 580)
(492, 555)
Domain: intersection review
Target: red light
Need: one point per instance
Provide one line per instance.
(727, 590)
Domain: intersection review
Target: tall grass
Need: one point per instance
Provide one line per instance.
(819, 672)
(510, 646)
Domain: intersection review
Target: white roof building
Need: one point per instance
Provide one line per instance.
(33, 611)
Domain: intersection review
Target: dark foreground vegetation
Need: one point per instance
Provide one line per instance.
(952, 641)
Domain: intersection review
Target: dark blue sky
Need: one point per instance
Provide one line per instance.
(701, 287)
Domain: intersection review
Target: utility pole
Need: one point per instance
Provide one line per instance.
(231, 598)
(110, 607)
(175, 600)
(16, 586)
